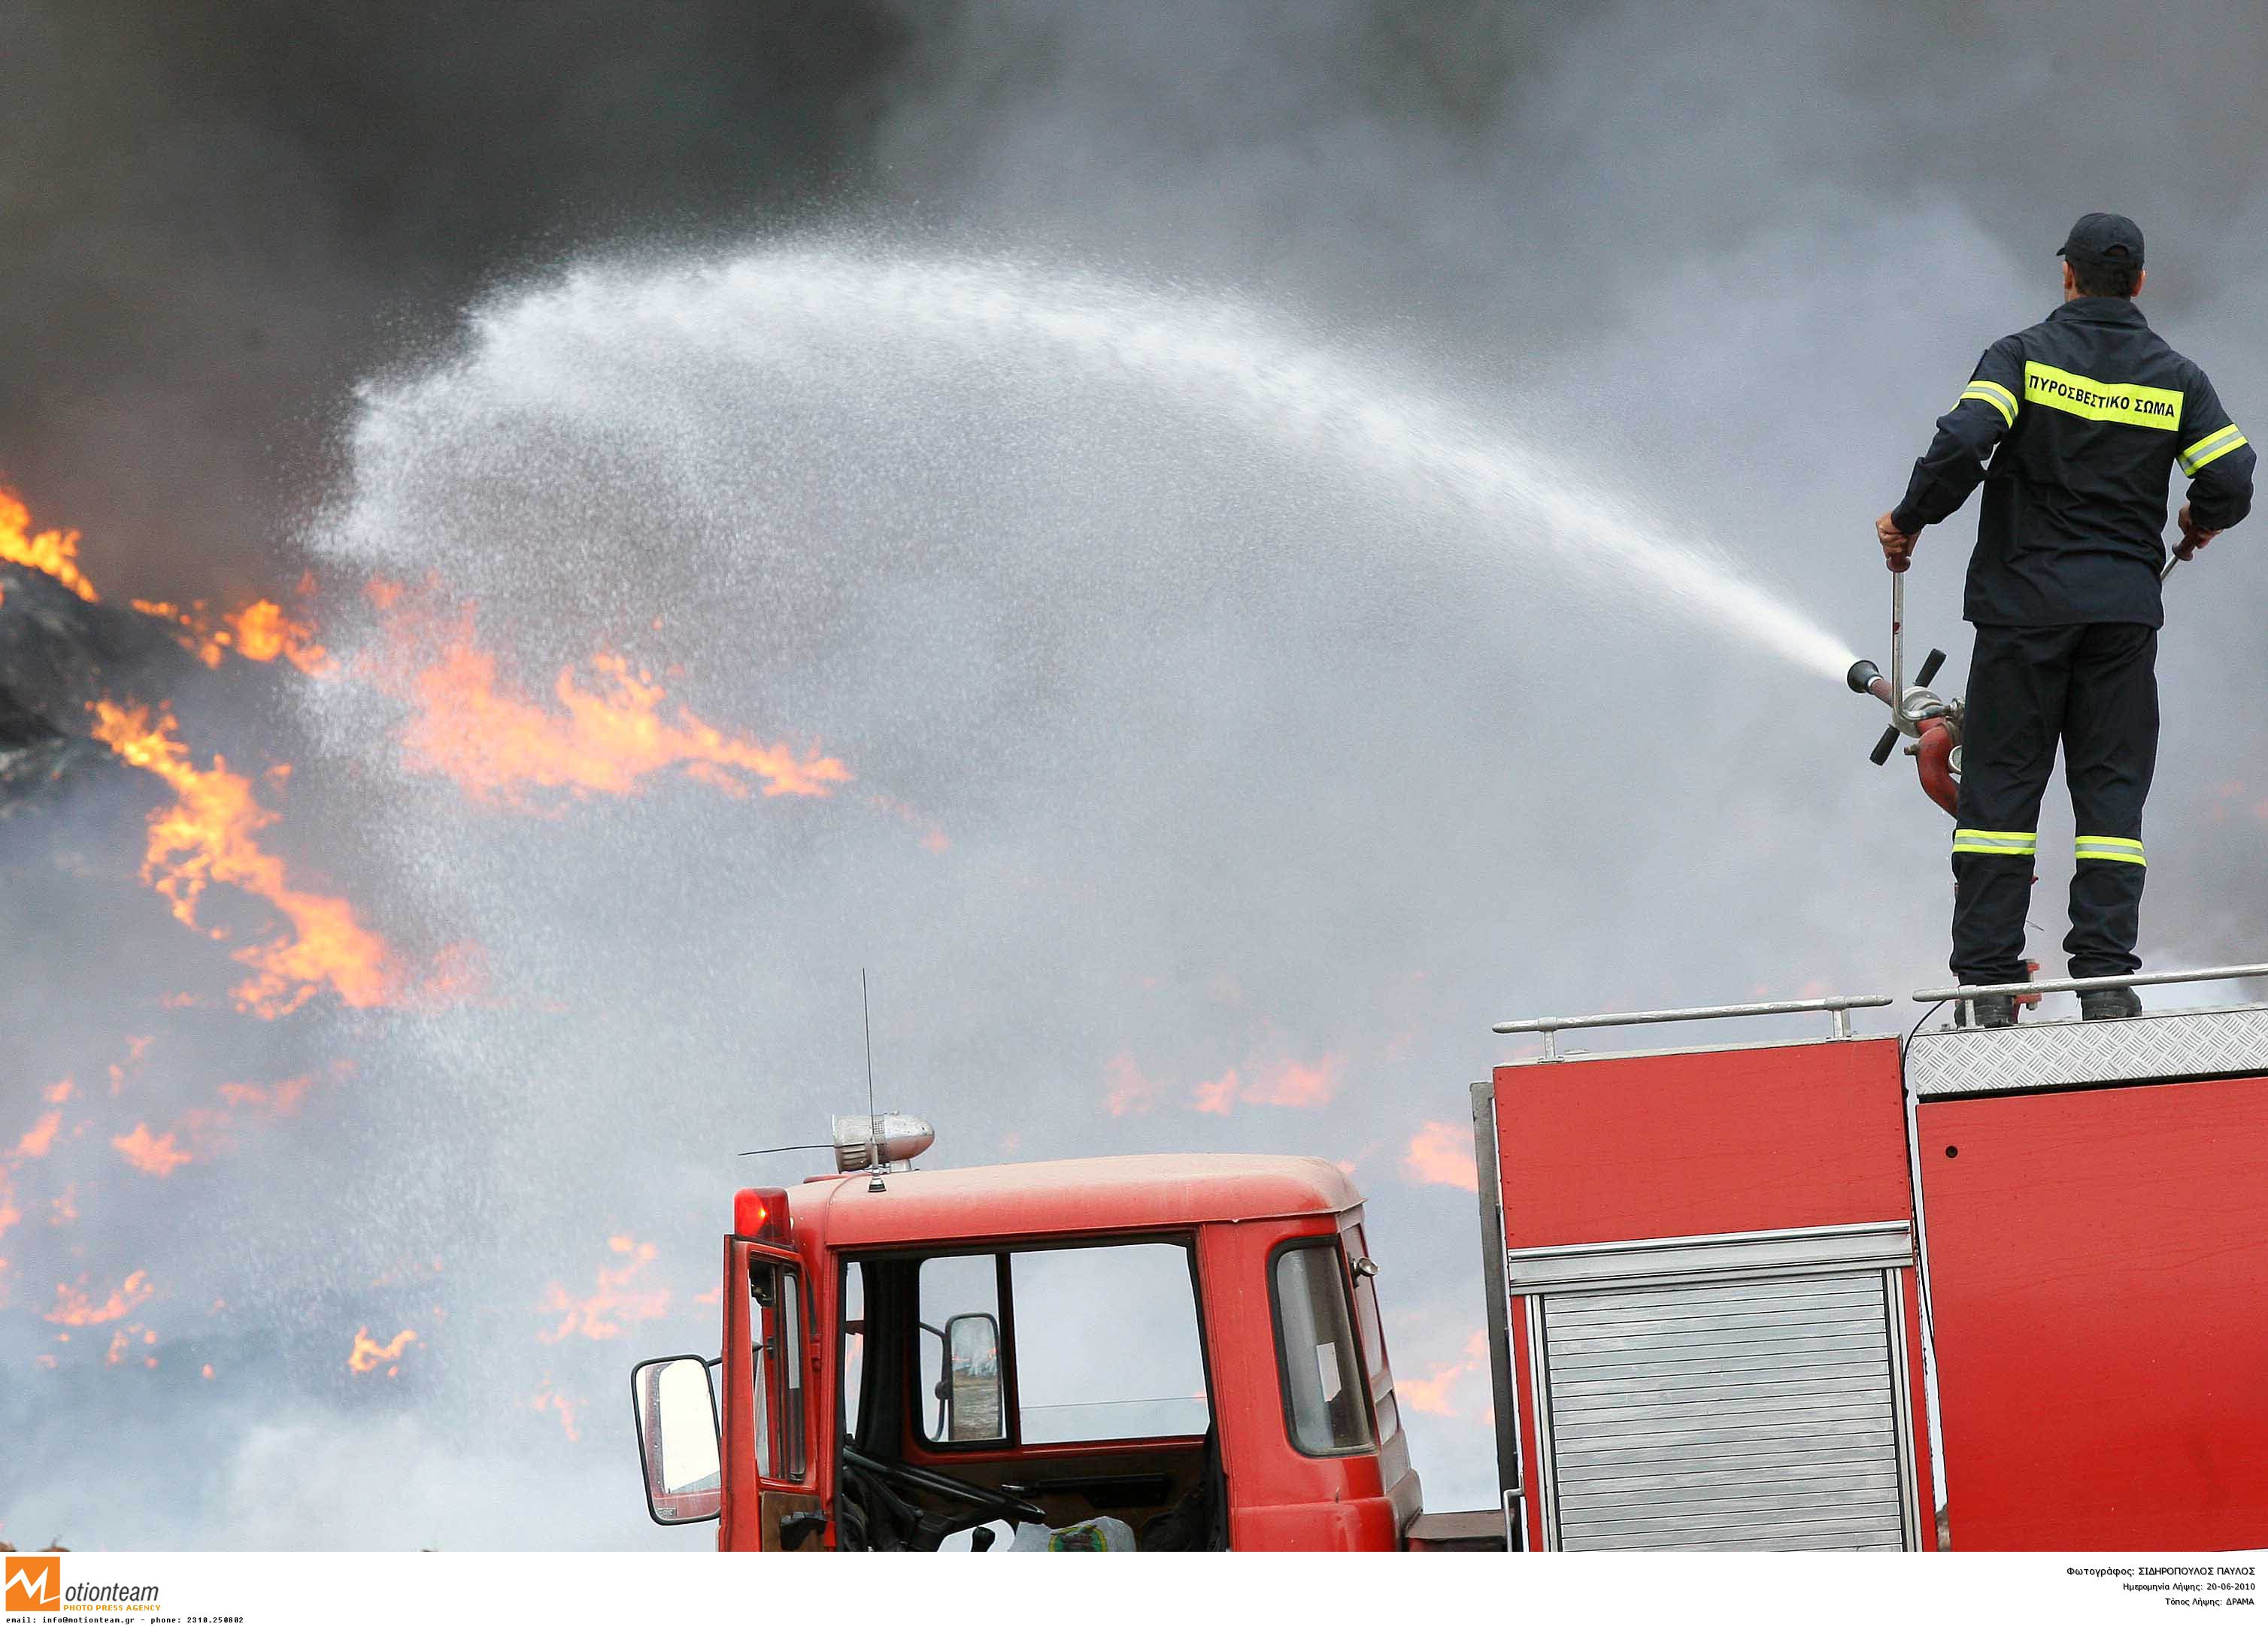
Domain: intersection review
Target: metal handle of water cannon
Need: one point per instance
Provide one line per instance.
(1888, 743)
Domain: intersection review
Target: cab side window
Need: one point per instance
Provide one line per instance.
(961, 1306)
(775, 1320)
(1059, 1346)
(1107, 1345)
(1373, 1332)
(1324, 1408)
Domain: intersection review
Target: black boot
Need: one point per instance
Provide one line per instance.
(1993, 1010)
(2099, 1004)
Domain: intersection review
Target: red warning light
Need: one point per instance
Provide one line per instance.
(760, 1212)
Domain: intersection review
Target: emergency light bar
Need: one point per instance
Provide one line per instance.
(882, 1141)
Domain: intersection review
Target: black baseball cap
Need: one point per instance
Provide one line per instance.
(2105, 241)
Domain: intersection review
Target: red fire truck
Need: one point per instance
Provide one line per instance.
(1712, 1276)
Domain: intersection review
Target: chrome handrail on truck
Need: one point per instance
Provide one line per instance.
(2083, 985)
(1841, 1006)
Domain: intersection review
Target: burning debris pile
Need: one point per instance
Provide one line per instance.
(61, 650)
(101, 690)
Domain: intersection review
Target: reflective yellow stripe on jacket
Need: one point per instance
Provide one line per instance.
(2083, 397)
(2009, 843)
(1992, 396)
(2213, 446)
(2118, 849)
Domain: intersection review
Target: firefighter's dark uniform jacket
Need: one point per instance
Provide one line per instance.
(2083, 418)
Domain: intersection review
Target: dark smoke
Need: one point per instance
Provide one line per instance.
(214, 220)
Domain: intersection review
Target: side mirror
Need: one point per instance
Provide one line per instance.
(972, 1379)
(677, 1434)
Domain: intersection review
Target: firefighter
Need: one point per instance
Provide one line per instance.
(2082, 418)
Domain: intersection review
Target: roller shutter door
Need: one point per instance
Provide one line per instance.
(1757, 1414)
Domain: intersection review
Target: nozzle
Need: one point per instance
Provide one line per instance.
(1862, 676)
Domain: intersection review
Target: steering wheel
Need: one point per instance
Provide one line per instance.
(980, 1505)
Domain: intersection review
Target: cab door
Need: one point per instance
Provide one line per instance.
(769, 1429)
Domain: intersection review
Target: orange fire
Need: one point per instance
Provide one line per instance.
(1435, 1392)
(1441, 1155)
(202, 1131)
(281, 1099)
(75, 1307)
(35, 1142)
(607, 735)
(1281, 1083)
(261, 632)
(152, 1155)
(368, 1352)
(551, 1399)
(600, 1315)
(209, 835)
(53, 552)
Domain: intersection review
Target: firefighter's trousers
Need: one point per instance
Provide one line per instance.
(2096, 687)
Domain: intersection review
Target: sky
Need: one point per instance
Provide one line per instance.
(1037, 441)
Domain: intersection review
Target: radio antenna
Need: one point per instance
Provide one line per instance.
(874, 1130)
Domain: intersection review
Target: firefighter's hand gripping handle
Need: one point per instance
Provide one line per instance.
(1898, 546)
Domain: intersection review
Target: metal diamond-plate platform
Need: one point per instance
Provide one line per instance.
(2168, 1045)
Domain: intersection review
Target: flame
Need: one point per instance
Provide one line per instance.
(1129, 1090)
(202, 1131)
(1431, 1393)
(548, 1398)
(282, 1097)
(208, 836)
(53, 552)
(35, 1142)
(600, 1315)
(368, 1352)
(1441, 1155)
(261, 632)
(152, 1155)
(607, 735)
(1277, 1084)
(74, 1308)
(1274, 1085)
(1214, 1095)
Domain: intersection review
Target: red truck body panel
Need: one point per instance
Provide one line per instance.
(1732, 1148)
(2099, 1279)
(1598, 1148)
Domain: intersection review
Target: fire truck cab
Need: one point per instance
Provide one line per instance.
(1167, 1352)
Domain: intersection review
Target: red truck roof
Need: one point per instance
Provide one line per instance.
(1134, 1192)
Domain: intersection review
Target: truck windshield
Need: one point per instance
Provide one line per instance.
(1323, 1405)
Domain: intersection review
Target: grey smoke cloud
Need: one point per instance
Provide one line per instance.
(1244, 760)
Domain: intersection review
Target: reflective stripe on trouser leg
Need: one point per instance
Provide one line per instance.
(2111, 751)
(2015, 713)
(2009, 843)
